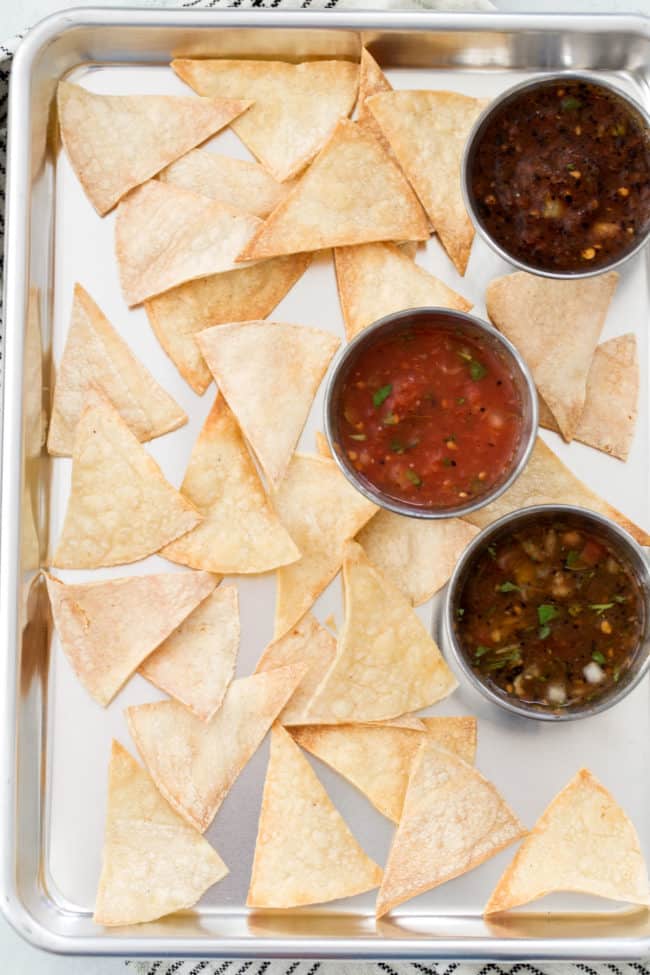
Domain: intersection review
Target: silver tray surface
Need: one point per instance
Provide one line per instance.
(55, 741)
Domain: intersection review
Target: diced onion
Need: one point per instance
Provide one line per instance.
(593, 672)
(556, 693)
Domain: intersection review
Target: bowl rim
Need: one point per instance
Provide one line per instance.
(495, 104)
(631, 550)
(384, 500)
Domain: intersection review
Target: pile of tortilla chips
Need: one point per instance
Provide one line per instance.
(210, 245)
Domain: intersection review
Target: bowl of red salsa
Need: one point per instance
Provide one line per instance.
(430, 412)
(548, 613)
(556, 175)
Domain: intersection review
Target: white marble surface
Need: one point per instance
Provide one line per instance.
(17, 957)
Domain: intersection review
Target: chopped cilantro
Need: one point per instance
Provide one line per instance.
(477, 370)
(598, 657)
(570, 103)
(381, 394)
(509, 587)
(600, 607)
(413, 477)
(543, 632)
(546, 613)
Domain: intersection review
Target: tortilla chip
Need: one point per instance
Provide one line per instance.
(153, 863)
(120, 508)
(116, 142)
(546, 480)
(407, 721)
(583, 842)
(305, 853)
(234, 296)
(195, 763)
(240, 531)
(108, 628)
(351, 194)
(409, 247)
(453, 819)
(245, 186)
(555, 325)
(377, 759)
(419, 556)
(377, 279)
(95, 355)
(427, 131)
(322, 445)
(196, 663)
(372, 81)
(308, 643)
(321, 511)
(386, 662)
(268, 373)
(608, 419)
(165, 235)
(296, 106)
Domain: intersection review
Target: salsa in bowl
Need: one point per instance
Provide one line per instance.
(547, 612)
(556, 176)
(430, 412)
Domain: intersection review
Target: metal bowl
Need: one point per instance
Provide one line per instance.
(629, 552)
(436, 317)
(474, 140)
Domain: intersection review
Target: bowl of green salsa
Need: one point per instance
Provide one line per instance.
(547, 612)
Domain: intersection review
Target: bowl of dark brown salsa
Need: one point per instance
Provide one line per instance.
(547, 612)
(556, 176)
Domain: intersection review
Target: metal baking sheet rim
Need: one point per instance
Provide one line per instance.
(16, 289)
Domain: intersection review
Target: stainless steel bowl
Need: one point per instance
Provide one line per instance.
(630, 553)
(472, 327)
(471, 146)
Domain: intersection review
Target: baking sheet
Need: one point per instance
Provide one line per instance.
(528, 761)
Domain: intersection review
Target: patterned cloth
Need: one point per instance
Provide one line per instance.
(377, 968)
(194, 967)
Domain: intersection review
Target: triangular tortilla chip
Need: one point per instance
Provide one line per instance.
(95, 355)
(240, 531)
(194, 763)
(377, 279)
(308, 643)
(372, 81)
(296, 105)
(608, 419)
(377, 759)
(419, 556)
(120, 508)
(165, 235)
(153, 862)
(196, 663)
(245, 186)
(108, 628)
(116, 142)
(234, 296)
(546, 480)
(584, 843)
(321, 510)
(427, 131)
(268, 373)
(408, 721)
(453, 819)
(352, 193)
(386, 662)
(555, 325)
(305, 852)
